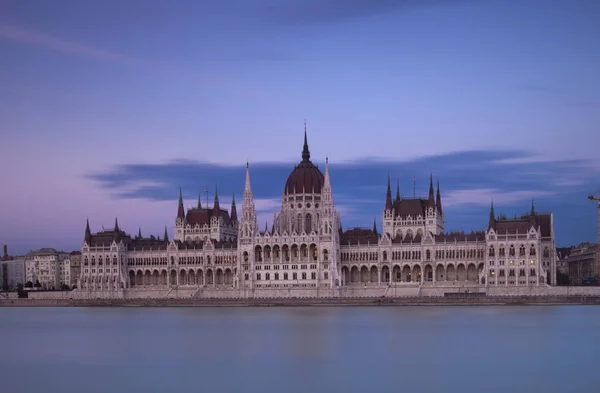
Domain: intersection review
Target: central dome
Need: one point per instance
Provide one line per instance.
(306, 177)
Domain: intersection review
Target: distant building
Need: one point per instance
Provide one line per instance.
(582, 264)
(75, 265)
(49, 267)
(562, 254)
(12, 271)
(307, 248)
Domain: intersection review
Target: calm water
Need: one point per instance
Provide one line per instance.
(354, 349)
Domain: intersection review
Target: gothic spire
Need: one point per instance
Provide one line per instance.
(139, 232)
(200, 200)
(375, 225)
(166, 237)
(492, 220)
(88, 233)
(233, 209)
(180, 209)
(431, 200)
(305, 151)
(532, 208)
(438, 198)
(397, 190)
(117, 231)
(388, 196)
(216, 207)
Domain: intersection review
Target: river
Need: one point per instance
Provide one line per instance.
(304, 349)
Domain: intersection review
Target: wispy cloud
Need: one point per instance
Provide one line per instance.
(50, 42)
(484, 196)
(306, 12)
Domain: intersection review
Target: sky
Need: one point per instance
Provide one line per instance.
(108, 108)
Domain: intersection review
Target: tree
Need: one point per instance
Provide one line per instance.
(37, 284)
(19, 287)
(28, 284)
(65, 287)
(561, 278)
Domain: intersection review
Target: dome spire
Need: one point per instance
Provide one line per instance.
(305, 151)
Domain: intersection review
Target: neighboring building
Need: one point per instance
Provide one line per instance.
(75, 265)
(48, 266)
(12, 271)
(582, 264)
(306, 246)
(562, 254)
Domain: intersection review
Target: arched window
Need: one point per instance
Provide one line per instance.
(308, 223)
(385, 255)
(428, 254)
(245, 256)
(299, 224)
(492, 251)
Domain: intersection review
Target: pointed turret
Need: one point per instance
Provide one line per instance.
(397, 191)
(139, 232)
(388, 196)
(273, 225)
(88, 233)
(180, 209)
(266, 226)
(492, 220)
(166, 237)
(375, 226)
(199, 201)
(438, 198)
(431, 199)
(117, 231)
(233, 209)
(532, 208)
(216, 207)
(248, 222)
(305, 151)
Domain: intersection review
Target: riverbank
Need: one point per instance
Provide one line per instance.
(304, 302)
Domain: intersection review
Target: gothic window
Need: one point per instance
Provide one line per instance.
(546, 252)
(325, 255)
(308, 223)
(285, 276)
(294, 276)
(428, 254)
(304, 276)
(532, 250)
(511, 251)
(522, 250)
(299, 224)
(502, 251)
(325, 275)
(492, 252)
(257, 276)
(313, 276)
(267, 276)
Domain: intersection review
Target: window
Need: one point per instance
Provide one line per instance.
(258, 276)
(285, 276)
(304, 276)
(313, 276)
(267, 276)
(325, 275)
(276, 276)
(246, 276)
(294, 276)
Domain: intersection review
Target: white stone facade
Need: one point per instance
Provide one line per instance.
(49, 267)
(306, 248)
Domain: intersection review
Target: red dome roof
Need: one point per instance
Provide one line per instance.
(305, 177)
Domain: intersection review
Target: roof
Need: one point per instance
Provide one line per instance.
(524, 223)
(410, 207)
(359, 236)
(306, 177)
(202, 216)
(453, 237)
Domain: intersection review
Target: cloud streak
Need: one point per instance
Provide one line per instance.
(308, 12)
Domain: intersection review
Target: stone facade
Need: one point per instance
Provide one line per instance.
(49, 267)
(307, 250)
(582, 264)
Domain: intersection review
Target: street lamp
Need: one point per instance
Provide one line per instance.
(597, 199)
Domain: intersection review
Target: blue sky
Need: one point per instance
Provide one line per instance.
(106, 108)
